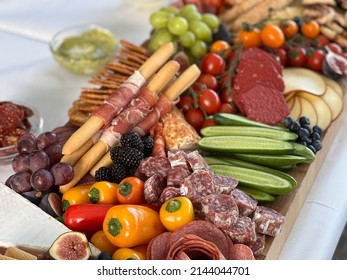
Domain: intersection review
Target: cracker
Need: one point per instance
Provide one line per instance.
(77, 117)
(103, 91)
(133, 56)
(84, 107)
(133, 47)
(94, 96)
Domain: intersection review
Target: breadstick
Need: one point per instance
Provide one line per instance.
(136, 81)
(19, 254)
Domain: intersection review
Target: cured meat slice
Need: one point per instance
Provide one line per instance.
(258, 245)
(153, 188)
(245, 202)
(220, 209)
(176, 175)
(242, 252)
(197, 185)
(157, 247)
(155, 165)
(194, 247)
(168, 193)
(177, 158)
(267, 220)
(262, 104)
(196, 161)
(224, 184)
(243, 231)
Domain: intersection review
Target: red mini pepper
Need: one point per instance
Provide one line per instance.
(87, 218)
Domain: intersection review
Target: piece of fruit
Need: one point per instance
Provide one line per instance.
(289, 28)
(51, 203)
(272, 36)
(250, 38)
(334, 65)
(310, 29)
(70, 246)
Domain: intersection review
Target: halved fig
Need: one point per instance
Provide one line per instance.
(33, 196)
(72, 245)
(334, 65)
(51, 203)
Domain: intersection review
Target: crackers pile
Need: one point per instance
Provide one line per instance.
(128, 58)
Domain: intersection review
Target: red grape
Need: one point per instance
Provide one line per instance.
(20, 182)
(42, 180)
(62, 173)
(26, 145)
(20, 163)
(46, 139)
(38, 160)
(54, 153)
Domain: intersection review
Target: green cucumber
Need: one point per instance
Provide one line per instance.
(236, 162)
(233, 119)
(255, 179)
(257, 194)
(302, 150)
(245, 144)
(271, 160)
(224, 130)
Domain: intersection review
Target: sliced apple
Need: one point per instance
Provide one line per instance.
(334, 101)
(295, 111)
(290, 103)
(303, 79)
(323, 111)
(335, 85)
(289, 95)
(308, 110)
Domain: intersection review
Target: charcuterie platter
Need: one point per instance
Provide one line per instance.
(230, 130)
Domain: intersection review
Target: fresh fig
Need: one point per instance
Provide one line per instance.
(183, 60)
(33, 196)
(334, 65)
(51, 203)
(71, 245)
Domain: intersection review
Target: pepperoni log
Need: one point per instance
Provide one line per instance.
(119, 99)
(110, 138)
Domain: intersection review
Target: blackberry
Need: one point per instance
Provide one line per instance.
(131, 139)
(103, 174)
(115, 153)
(118, 172)
(131, 157)
(148, 144)
(223, 33)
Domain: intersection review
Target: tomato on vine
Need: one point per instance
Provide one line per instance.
(315, 61)
(272, 36)
(297, 56)
(289, 28)
(250, 38)
(310, 29)
(221, 47)
(213, 64)
(186, 102)
(208, 80)
(209, 101)
(195, 117)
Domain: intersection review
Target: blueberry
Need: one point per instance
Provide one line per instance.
(317, 144)
(288, 121)
(308, 127)
(105, 256)
(303, 133)
(317, 129)
(304, 121)
(294, 126)
(313, 149)
(315, 136)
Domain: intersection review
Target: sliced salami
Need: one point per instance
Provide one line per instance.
(242, 252)
(243, 231)
(159, 165)
(168, 193)
(245, 202)
(197, 185)
(224, 184)
(220, 209)
(157, 247)
(153, 188)
(176, 175)
(268, 221)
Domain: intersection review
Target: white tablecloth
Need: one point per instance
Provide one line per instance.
(29, 73)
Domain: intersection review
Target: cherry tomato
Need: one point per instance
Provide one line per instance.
(221, 47)
(250, 38)
(272, 36)
(226, 95)
(213, 64)
(321, 41)
(336, 48)
(209, 101)
(297, 56)
(195, 117)
(310, 29)
(209, 122)
(208, 80)
(315, 61)
(186, 102)
(228, 108)
(289, 28)
(282, 56)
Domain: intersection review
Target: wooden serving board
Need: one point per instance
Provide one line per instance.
(305, 174)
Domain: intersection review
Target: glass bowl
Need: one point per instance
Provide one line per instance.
(83, 49)
(36, 121)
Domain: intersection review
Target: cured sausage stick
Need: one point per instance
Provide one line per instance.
(162, 107)
(124, 122)
(118, 100)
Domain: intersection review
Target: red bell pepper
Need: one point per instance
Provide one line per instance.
(86, 217)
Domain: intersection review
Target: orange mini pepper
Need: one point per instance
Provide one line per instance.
(130, 190)
(76, 195)
(134, 253)
(129, 225)
(103, 192)
(100, 241)
(176, 212)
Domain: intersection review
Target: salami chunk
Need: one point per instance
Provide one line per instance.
(176, 175)
(177, 158)
(268, 221)
(243, 231)
(220, 209)
(153, 187)
(258, 245)
(224, 184)
(197, 185)
(245, 202)
(168, 193)
(159, 165)
(196, 161)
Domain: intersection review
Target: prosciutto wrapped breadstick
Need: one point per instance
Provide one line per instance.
(135, 112)
(118, 100)
(162, 107)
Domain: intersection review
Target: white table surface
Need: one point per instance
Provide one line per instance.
(29, 73)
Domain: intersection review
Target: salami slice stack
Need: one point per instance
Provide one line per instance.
(258, 87)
